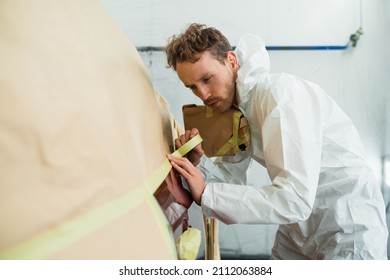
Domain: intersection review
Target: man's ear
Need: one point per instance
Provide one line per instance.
(232, 59)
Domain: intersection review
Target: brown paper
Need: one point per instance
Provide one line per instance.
(79, 128)
(218, 129)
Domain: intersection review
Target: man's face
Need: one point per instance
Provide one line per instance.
(210, 80)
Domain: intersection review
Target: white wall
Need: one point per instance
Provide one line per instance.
(357, 78)
(387, 72)
(151, 22)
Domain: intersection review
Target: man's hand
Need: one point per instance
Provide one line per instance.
(192, 175)
(181, 195)
(196, 153)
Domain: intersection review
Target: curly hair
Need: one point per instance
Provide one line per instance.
(194, 41)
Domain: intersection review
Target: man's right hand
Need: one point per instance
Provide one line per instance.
(196, 153)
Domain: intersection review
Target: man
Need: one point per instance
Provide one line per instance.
(323, 193)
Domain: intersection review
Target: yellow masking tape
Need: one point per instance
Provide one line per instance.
(234, 141)
(236, 124)
(188, 244)
(192, 143)
(209, 112)
(225, 148)
(164, 226)
(52, 241)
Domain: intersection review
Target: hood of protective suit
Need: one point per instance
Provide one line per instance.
(250, 49)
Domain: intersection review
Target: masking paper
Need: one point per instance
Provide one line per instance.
(81, 135)
(223, 133)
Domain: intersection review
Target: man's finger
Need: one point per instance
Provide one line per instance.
(194, 132)
(178, 143)
(182, 163)
(183, 139)
(181, 170)
(187, 135)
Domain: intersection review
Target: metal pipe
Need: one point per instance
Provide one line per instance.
(306, 48)
(353, 39)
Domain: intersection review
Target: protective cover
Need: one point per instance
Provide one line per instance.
(224, 134)
(323, 193)
(82, 138)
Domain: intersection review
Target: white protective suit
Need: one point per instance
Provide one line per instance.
(323, 193)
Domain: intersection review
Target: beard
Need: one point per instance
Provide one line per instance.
(225, 98)
(227, 102)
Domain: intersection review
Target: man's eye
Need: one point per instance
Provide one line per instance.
(193, 89)
(206, 79)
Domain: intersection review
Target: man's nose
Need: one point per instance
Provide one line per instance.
(203, 93)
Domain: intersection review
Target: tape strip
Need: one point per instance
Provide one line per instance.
(233, 142)
(192, 143)
(54, 240)
(236, 124)
(209, 112)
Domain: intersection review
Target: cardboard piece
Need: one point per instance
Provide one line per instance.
(223, 133)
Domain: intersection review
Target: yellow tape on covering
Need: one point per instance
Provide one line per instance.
(192, 143)
(188, 244)
(233, 141)
(209, 112)
(165, 227)
(52, 241)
